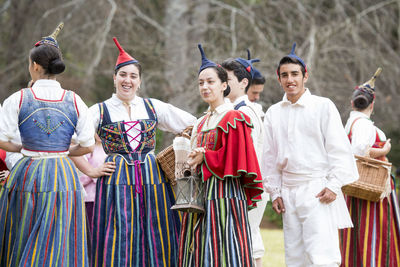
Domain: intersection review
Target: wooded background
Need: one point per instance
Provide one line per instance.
(342, 42)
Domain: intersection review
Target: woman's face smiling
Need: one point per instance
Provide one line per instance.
(127, 81)
(211, 88)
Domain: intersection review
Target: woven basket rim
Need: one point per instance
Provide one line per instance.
(371, 160)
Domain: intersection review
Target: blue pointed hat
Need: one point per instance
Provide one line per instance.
(205, 62)
(257, 73)
(248, 64)
(293, 55)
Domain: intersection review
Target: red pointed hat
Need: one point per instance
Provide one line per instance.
(123, 58)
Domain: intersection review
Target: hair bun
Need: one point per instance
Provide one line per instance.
(227, 91)
(361, 102)
(56, 66)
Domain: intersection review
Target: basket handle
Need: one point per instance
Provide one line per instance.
(371, 165)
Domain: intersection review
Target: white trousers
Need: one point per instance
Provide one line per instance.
(311, 239)
(255, 217)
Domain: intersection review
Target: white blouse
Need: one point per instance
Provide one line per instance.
(170, 118)
(363, 132)
(49, 90)
(305, 141)
(212, 121)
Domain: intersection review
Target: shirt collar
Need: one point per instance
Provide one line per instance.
(244, 98)
(358, 114)
(302, 101)
(222, 108)
(116, 101)
(46, 83)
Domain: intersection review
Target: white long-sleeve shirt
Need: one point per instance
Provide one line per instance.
(170, 118)
(363, 132)
(257, 133)
(48, 90)
(305, 141)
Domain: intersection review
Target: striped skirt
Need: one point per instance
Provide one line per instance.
(42, 215)
(375, 238)
(133, 224)
(221, 236)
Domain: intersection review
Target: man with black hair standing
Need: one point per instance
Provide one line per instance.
(306, 160)
(240, 74)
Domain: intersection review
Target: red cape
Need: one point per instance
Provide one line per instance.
(236, 157)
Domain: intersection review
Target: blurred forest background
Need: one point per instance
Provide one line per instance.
(342, 41)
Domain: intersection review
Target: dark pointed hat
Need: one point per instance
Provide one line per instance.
(248, 64)
(293, 55)
(257, 73)
(123, 58)
(52, 38)
(205, 62)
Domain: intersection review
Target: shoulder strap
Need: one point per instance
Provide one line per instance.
(239, 105)
(104, 116)
(351, 128)
(150, 109)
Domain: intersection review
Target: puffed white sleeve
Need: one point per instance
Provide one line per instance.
(272, 176)
(84, 128)
(170, 118)
(362, 136)
(94, 112)
(9, 117)
(342, 165)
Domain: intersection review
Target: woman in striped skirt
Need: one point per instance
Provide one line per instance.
(133, 224)
(375, 238)
(227, 163)
(42, 214)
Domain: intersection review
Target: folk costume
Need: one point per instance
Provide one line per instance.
(232, 183)
(375, 238)
(133, 224)
(244, 105)
(306, 150)
(42, 212)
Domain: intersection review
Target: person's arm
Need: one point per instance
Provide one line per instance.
(171, 118)
(342, 166)
(9, 123)
(10, 146)
(269, 169)
(105, 169)
(374, 152)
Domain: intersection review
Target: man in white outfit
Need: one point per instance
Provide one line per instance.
(240, 73)
(306, 160)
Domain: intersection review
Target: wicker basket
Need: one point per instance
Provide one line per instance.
(372, 181)
(166, 158)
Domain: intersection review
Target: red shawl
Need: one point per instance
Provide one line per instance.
(235, 156)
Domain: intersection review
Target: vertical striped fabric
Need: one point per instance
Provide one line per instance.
(221, 236)
(130, 230)
(42, 215)
(375, 239)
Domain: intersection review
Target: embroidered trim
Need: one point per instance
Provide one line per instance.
(45, 100)
(54, 109)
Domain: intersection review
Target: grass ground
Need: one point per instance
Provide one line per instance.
(274, 252)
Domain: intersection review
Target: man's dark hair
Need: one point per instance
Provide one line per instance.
(238, 70)
(258, 80)
(290, 60)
